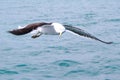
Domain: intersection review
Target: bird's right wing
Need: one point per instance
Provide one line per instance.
(83, 33)
(27, 28)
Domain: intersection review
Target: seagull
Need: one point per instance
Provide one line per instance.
(53, 28)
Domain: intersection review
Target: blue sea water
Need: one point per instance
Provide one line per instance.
(69, 57)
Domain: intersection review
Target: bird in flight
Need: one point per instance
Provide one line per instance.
(53, 28)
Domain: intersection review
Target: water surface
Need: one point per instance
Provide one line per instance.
(69, 57)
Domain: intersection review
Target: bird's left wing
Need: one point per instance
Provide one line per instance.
(84, 33)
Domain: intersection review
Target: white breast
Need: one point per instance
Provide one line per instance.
(48, 30)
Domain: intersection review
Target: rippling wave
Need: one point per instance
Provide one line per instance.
(68, 57)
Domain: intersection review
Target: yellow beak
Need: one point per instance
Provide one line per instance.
(60, 34)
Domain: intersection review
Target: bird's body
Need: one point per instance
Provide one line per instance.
(51, 29)
(48, 30)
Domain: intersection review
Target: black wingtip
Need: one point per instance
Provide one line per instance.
(10, 32)
(13, 32)
(109, 42)
(103, 41)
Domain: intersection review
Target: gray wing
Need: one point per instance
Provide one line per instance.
(28, 28)
(83, 33)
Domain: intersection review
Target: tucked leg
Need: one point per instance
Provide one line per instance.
(36, 35)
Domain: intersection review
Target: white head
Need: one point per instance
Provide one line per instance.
(59, 28)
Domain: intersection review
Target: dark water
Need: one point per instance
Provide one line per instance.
(69, 57)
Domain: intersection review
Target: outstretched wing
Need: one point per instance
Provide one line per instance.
(27, 29)
(83, 33)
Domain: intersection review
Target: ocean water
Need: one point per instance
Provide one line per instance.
(68, 57)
